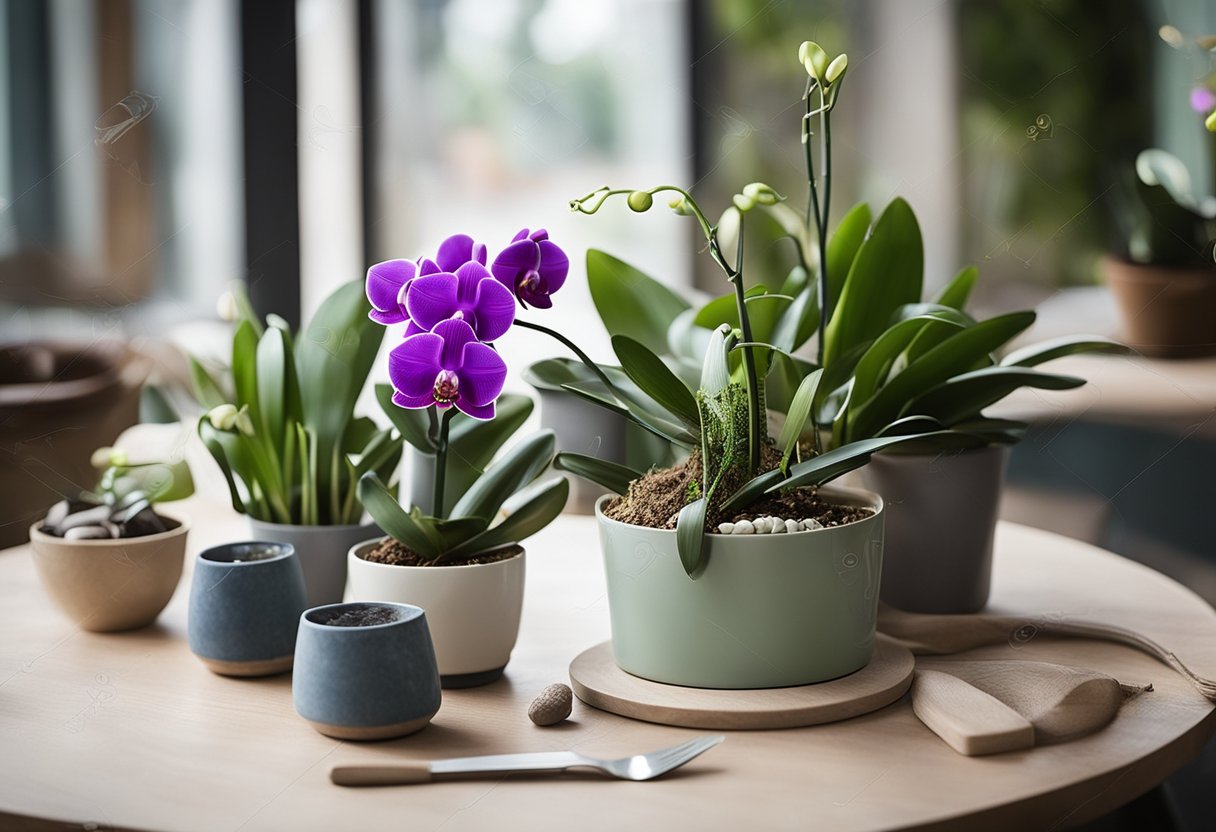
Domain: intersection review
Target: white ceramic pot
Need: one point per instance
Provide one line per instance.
(473, 611)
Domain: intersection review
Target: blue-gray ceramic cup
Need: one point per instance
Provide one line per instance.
(365, 671)
(245, 600)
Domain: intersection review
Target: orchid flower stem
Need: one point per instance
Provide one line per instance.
(441, 461)
(755, 430)
(570, 345)
(813, 212)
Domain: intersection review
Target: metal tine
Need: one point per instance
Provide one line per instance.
(679, 754)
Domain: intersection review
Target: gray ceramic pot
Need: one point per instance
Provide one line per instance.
(245, 600)
(767, 610)
(368, 679)
(941, 519)
(583, 428)
(322, 553)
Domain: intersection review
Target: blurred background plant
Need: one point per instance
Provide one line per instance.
(287, 438)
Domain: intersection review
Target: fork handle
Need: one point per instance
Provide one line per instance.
(401, 774)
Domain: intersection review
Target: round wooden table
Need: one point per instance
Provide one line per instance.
(131, 731)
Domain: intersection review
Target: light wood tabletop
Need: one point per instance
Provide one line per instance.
(131, 731)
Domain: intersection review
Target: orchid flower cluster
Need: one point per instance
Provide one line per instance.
(446, 382)
(454, 307)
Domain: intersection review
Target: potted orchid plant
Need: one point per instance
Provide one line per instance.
(889, 373)
(457, 555)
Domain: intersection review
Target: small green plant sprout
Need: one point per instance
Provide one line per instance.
(121, 504)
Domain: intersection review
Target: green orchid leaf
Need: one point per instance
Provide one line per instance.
(413, 425)
(964, 396)
(648, 372)
(527, 512)
(473, 443)
(796, 419)
(872, 369)
(396, 522)
(911, 424)
(517, 468)
(664, 428)
(993, 431)
(795, 282)
(690, 536)
(798, 322)
(842, 247)
(724, 309)
(611, 475)
(278, 392)
(206, 389)
(629, 302)
(455, 532)
(886, 273)
(957, 291)
(957, 354)
(829, 465)
(334, 356)
(1060, 347)
(219, 451)
(245, 369)
(477, 441)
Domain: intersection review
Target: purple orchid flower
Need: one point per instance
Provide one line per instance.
(387, 286)
(1203, 100)
(532, 267)
(447, 366)
(471, 294)
(457, 250)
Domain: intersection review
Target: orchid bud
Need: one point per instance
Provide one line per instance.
(640, 201)
(743, 203)
(226, 307)
(222, 417)
(108, 457)
(836, 68)
(243, 423)
(680, 206)
(814, 59)
(761, 193)
(1210, 122)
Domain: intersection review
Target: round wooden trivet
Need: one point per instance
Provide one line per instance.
(598, 681)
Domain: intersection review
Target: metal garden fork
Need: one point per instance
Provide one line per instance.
(638, 767)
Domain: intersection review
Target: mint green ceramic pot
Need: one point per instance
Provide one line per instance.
(766, 611)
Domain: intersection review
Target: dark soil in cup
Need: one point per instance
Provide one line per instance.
(393, 553)
(655, 500)
(363, 617)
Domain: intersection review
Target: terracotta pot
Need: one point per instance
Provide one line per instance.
(473, 610)
(767, 611)
(1167, 312)
(111, 585)
(941, 519)
(58, 403)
